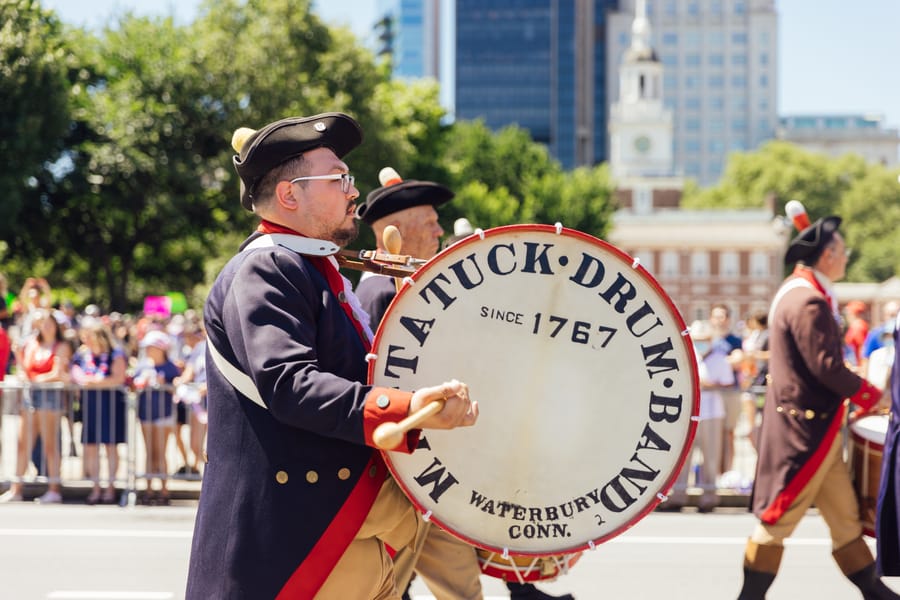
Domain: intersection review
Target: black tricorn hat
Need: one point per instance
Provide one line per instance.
(397, 194)
(809, 243)
(262, 150)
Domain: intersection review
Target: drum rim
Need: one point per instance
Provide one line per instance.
(673, 312)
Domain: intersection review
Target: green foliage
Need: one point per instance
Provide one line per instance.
(871, 213)
(867, 197)
(504, 178)
(33, 101)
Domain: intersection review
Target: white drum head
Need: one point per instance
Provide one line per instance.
(872, 428)
(585, 381)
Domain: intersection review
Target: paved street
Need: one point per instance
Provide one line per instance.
(77, 552)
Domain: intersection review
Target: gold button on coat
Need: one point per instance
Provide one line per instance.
(281, 477)
(344, 474)
(312, 476)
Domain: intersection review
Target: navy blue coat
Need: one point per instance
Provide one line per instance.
(887, 519)
(274, 515)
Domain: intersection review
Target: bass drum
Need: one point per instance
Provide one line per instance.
(586, 382)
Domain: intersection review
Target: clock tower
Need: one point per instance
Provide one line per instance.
(640, 126)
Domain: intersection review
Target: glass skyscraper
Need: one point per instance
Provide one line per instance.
(415, 36)
(539, 64)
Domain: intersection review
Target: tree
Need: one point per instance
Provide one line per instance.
(135, 209)
(505, 177)
(33, 101)
(871, 213)
(865, 196)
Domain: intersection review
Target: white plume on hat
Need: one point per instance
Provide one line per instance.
(796, 212)
(240, 137)
(389, 176)
(461, 226)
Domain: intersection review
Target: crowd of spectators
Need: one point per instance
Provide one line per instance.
(81, 365)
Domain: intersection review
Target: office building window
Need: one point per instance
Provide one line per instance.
(738, 60)
(692, 145)
(692, 103)
(700, 264)
(717, 103)
(716, 60)
(669, 266)
(759, 264)
(692, 60)
(764, 58)
(739, 38)
(729, 264)
(670, 39)
(670, 83)
(716, 146)
(643, 200)
(700, 312)
(692, 124)
(716, 82)
(739, 81)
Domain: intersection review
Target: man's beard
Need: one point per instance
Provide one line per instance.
(345, 235)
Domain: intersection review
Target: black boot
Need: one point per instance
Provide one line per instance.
(756, 584)
(760, 567)
(526, 591)
(870, 584)
(857, 563)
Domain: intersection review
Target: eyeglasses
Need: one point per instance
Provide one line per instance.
(347, 180)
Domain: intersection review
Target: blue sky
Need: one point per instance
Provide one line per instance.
(835, 56)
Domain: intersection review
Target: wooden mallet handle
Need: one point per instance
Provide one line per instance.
(389, 435)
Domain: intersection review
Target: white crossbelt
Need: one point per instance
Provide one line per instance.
(301, 245)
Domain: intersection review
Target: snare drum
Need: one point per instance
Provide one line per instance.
(586, 383)
(867, 435)
(525, 568)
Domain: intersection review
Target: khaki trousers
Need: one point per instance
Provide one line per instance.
(366, 570)
(831, 490)
(449, 567)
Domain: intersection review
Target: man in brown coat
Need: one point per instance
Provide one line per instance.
(800, 460)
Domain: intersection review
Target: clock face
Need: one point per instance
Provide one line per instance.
(642, 144)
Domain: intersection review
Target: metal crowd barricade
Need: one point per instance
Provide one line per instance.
(19, 417)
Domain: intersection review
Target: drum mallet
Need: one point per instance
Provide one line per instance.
(392, 240)
(389, 435)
